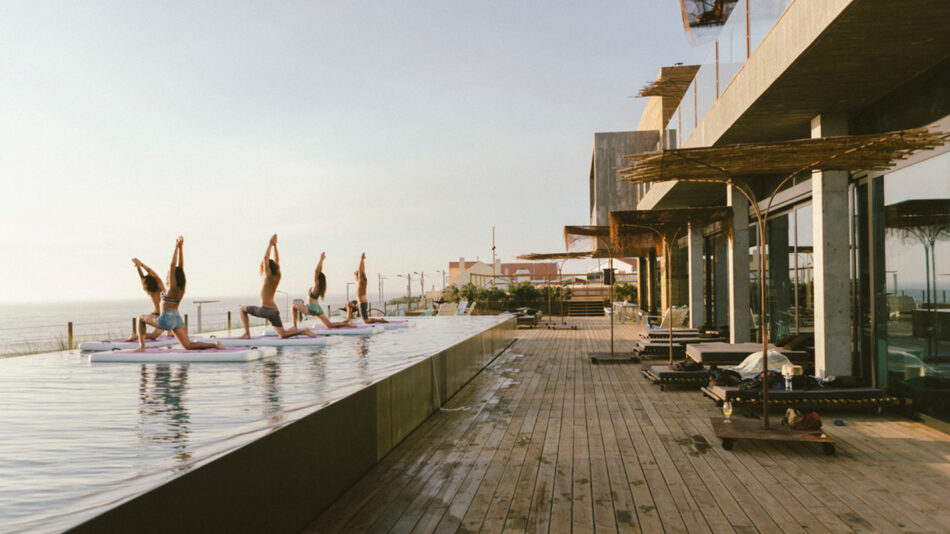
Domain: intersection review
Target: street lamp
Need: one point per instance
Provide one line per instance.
(408, 277)
(422, 286)
(443, 273)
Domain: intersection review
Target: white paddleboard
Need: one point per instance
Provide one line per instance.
(389, 325)
(182, 355)
(114, 344)
(273, 341)
(364, 330)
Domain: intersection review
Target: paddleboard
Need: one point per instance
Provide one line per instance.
(182, 355)
(389, 325)
(273, 341)
(363, 330)
(114, 344)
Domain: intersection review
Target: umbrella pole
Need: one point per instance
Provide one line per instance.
(611, 301)
(669, 292)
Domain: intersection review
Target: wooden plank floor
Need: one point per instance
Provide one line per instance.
(545, 441)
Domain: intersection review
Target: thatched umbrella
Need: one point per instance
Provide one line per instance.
(742, 166)
(600, 247)
(628, 228)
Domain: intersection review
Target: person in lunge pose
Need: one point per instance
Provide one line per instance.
(171, 296)
(153, 287)
(270, 270)
(317, 292)
(361, 303)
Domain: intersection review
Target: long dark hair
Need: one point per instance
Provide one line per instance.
(274, 268)
(180, 277)
(321, 285)
(150, 283)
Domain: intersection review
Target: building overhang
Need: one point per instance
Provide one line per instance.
(822, 56)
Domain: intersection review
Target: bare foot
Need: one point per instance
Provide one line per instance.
(245, 336)
(217, 344)
(139, 349)
(132, 338)
(308, 333)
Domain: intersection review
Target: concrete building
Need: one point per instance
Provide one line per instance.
(460, 272)
(838, 243)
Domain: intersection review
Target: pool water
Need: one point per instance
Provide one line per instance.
(78, 437)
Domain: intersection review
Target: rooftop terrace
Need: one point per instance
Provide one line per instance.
(550, 442)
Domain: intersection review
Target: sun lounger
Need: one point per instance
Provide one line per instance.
(654, 346)
(818, 397)
(664, 375)
(448, 308)
(665, 333)
(720, 353)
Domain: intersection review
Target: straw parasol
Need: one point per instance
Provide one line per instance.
(628, 228)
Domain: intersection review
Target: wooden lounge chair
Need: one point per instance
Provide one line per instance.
(811, 398)
(448, 308)
(663, 375)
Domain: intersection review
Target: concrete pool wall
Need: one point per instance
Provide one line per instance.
(281, 482)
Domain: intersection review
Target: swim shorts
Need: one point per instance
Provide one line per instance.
(364, 310)
(314, 308)
(170, 320)
(264, 312)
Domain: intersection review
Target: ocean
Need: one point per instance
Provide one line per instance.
(31, 328)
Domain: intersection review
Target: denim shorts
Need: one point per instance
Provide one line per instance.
(170, 320)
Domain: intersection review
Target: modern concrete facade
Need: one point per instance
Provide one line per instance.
(793, 69)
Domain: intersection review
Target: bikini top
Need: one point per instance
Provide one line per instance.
(314, 297)
(166, 298)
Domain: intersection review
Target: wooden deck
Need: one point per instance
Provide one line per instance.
(545, 441)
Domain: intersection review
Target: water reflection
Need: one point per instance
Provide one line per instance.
(271, 390)
(163, 414)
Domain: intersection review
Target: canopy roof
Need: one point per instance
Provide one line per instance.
(627, 228)
(599, 240)
(537, 256)
(672, 82)
(918, 213)
(721, 164)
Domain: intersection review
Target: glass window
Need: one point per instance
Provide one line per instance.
(916, 217)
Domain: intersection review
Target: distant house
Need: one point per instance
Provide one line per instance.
(460, 272)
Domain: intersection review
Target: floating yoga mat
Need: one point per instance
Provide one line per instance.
(113, 344)
(182, 355)
(364, 330)
(271, 341)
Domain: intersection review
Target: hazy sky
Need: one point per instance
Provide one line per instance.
(403, 129)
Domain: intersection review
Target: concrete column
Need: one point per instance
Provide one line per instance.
(664, 265)
(721, 284)
(697, 309)
(643, 286)
(737, 256)
(651, 283)
(832, 266)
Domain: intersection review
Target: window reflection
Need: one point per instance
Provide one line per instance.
(916, 218)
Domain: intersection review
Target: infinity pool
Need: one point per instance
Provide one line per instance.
(76, 438)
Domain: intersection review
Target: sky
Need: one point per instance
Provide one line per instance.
(406, 130)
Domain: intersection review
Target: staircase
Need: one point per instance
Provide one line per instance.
(586, 307)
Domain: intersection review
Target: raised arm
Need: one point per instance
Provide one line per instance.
(363, 265)
(270, 245)
(180, 247)
(175, 255)
(319, 269)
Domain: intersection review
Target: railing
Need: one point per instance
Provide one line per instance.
(749, 23)
(582, 285)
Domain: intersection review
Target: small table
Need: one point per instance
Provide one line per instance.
(744, 428)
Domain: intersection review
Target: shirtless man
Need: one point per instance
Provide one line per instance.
(170, 319)
(154, 288)
(361, 303)
(316, 293)
(270, 269)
